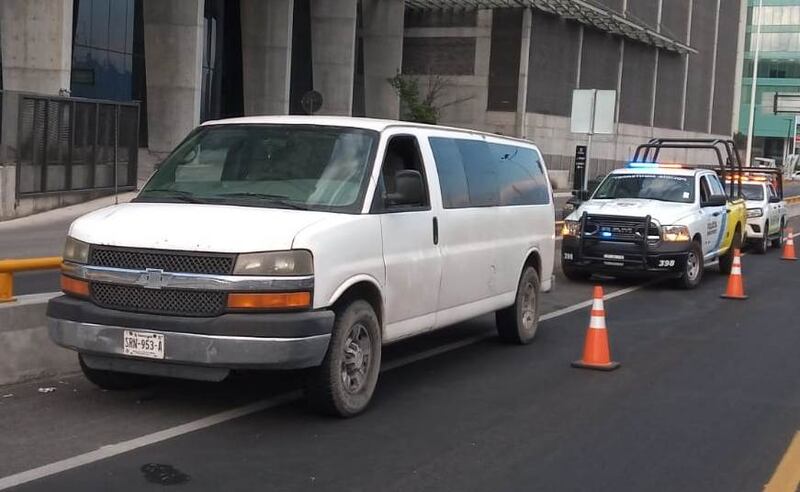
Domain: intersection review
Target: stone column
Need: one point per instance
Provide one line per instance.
(36, 45)
(266, 55)
(333, 47)
(383, 55)
(173, 43)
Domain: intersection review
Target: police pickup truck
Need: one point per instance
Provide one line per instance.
(762, 189)
(659, 219)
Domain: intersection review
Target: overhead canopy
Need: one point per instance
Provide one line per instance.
(579, 10)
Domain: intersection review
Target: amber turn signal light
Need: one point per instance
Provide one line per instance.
(74, 286)
(271, 300)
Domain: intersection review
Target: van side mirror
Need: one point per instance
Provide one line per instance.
(774, 199)
(408, 189)
(715, 201)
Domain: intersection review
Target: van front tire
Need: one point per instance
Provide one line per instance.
(518, 323)
(343, 385)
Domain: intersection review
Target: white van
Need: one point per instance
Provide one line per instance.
(306, 242)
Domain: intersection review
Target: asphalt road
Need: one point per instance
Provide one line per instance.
(707, 399)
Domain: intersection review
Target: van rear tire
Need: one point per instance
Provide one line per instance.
(113, 380)
(518, 324)
(342, 386)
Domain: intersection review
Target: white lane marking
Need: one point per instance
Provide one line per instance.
(218, 418)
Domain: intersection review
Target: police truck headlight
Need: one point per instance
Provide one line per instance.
(288, 263)
(754, 212)
(76, 251)
(570, 228)
(675, 233)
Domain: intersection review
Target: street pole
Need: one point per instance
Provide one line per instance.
(754, 83)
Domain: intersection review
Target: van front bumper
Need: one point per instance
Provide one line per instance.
(231, 341)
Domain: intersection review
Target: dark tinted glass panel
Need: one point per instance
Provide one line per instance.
(552, 78)
(441, 18)
(645, 11)
(444, 56)
(450, 168)
(669, 91)
(520, 176)
(637, 83)
(725, 79)
(504, 59)
(600, 60)
(675, 18)
(473, 173)
(700, 66)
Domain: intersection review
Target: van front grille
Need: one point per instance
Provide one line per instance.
(169, 261)
(176, 302)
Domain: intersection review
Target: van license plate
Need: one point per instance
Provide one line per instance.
(140, 344)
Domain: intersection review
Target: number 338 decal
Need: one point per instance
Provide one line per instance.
(666, 263)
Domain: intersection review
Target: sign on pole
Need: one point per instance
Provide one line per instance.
(580, 167)
(593, 112)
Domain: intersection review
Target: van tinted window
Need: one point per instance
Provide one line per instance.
(473, 173)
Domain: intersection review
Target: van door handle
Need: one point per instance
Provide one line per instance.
(435, 230)
(716, 214)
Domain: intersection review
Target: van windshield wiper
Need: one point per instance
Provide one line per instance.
(181, 195)
(280, 200)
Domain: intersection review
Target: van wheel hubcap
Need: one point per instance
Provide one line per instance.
(528, 305)
(357, 358)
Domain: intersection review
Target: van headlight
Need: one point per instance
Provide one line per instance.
(76, 251)
(290, 263)
(675, 233)
(754, 212)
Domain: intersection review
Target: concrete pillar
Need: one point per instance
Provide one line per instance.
(173, 43)
(266, 55)
(36, 45)
(383, 55)
(333, 48)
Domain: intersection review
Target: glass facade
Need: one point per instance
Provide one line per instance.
(105, 45)
(778, 71)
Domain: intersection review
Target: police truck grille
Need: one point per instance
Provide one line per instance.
(176, 302)
(169, 261)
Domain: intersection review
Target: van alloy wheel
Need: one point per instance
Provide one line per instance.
(357, 358)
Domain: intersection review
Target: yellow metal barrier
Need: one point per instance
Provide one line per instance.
(9, 267)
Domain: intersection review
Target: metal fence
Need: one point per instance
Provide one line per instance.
(72, 144)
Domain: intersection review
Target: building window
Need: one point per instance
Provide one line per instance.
(775, 16)
(775, 41)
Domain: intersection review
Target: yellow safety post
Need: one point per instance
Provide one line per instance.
(9, 267)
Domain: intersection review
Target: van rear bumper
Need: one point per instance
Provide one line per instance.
(232, 341)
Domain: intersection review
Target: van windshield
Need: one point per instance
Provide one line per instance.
(661, 187)
(277, 166)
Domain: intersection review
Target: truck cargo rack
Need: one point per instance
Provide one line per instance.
(728, 161)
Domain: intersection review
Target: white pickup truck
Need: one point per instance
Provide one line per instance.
(766, 210)
(656, 219)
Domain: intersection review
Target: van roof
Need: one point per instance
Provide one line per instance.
(375, 124)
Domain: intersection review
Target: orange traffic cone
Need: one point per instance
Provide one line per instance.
(788, 247)
(735, 288)
(596, 354)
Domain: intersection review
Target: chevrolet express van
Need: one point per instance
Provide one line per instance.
(306, 242)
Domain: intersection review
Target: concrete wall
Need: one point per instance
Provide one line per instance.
(383, 55)
(333, 38)
(26, 351)
(266, 55)
(36, 45)
(173, 42)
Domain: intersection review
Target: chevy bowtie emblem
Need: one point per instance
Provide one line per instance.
(153, 278)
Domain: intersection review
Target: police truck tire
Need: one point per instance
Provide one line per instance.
(112, 380)
(762, 245)
(342, 386)
(518, 324)
(726, 260)
(778, 242)
(693, 268)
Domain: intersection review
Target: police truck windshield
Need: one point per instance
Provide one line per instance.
(660, 187)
